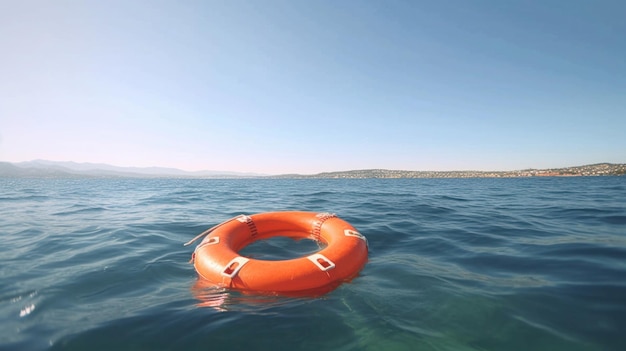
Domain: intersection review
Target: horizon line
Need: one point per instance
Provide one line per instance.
(252, 173)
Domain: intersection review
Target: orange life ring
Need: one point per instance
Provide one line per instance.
(216, 258)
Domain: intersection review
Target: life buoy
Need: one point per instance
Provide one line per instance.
(217, 261)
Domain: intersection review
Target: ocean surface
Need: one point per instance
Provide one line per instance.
(454, 264)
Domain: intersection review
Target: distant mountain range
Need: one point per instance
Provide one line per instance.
(53, 169)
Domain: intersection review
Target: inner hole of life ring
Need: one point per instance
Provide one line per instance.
(281, 248)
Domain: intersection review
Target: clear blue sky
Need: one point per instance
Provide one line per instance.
(313, 86)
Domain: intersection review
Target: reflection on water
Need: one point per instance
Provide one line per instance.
(222, 299)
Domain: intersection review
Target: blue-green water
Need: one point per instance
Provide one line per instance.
(455, 264)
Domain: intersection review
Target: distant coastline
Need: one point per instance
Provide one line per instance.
(593, 170)
(51, 169)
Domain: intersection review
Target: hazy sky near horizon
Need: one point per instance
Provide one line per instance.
(313, 86)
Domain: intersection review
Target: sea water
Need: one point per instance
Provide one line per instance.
(454, 264)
